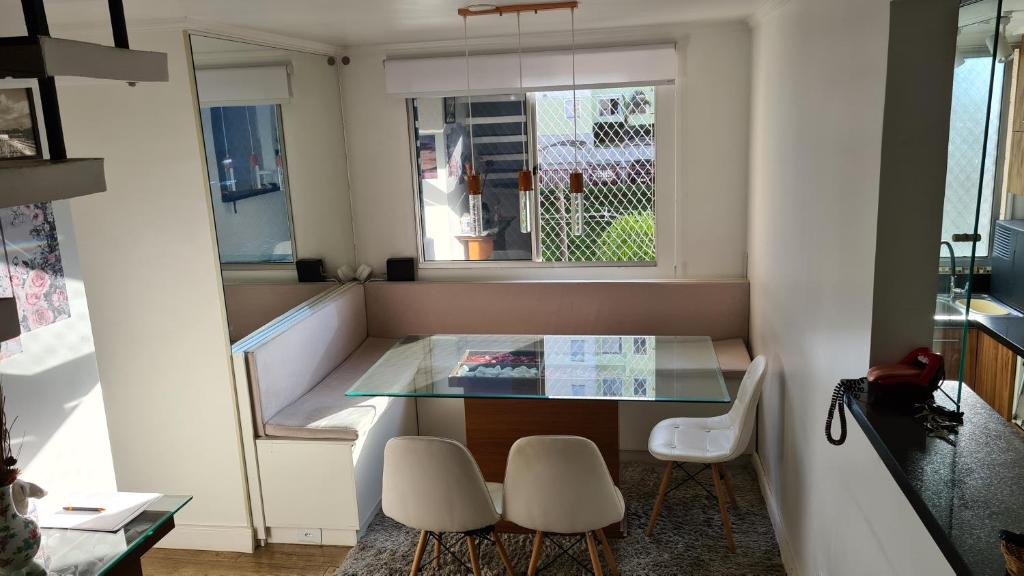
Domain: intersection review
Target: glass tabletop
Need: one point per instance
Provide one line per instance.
(86, 553)
(635, 368)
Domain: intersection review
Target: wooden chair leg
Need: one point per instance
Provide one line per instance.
(538, 541)
(609, 558)
(503, 554)
(418, 556)
(437, 551)
(716, 472)
(666, 476)
(474, 560)
(594, 560)
(728, 486)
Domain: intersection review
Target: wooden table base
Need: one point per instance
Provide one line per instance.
(493, 425)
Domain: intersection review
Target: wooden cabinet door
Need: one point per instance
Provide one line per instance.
(947, 341)
(995, 368)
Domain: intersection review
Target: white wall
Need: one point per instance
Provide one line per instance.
(702, 202)
(150, 268)
(819, 91)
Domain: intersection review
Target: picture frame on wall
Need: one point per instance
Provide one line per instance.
(19, 130)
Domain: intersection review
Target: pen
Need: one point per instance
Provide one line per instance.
(82, 509)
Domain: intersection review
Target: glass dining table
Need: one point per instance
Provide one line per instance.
(624, 368)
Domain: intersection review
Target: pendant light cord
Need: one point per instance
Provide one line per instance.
(522, 94)
(575, 110)
(469, 94)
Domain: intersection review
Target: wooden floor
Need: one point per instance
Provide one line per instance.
(271, 560)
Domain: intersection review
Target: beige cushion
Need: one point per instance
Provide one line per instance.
(559, 484)
(434, 484)
(304, 351)
(325, 412)
(733, 357)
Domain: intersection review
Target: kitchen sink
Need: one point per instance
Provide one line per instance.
(981, 305)
(985, 307)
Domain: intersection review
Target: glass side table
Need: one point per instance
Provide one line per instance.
(86, 553)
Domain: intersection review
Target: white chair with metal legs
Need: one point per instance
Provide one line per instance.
(561, 485)
(709, 441)
(435, 486)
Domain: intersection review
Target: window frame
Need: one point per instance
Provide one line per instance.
(664, 197)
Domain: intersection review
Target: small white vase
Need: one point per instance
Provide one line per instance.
(19, 537)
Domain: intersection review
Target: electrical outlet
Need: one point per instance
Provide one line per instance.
(310, 535)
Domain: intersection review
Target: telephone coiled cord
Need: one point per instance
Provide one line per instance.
(852, 387)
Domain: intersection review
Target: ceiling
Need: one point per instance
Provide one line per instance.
(359, 22)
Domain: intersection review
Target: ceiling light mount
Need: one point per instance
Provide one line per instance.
(487, 9)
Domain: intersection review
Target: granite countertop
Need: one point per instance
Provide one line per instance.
(964, 494)
(1008, 330)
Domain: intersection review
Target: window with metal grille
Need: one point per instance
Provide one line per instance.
(607, 134)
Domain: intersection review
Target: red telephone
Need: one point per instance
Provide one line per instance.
(904, 385)
(911, 381)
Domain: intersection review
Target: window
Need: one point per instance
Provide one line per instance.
(577, 350)
(640, 345)
(611, 345)
(640, 387)
(966, 134)
(245, 157)
(613, 145)
(611, 387)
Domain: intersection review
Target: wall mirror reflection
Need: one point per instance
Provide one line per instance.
(274, 150)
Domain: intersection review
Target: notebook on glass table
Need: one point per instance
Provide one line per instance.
(101, 511)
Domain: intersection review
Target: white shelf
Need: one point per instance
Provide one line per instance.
(25, 57)
(30, 181)
(10, 323)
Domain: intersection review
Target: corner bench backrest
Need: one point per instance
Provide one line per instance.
(304, 350)
(719, 309)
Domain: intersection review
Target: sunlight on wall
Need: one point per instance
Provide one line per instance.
(52, 388)
(54, 345)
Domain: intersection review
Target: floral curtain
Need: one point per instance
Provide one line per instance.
(31, 269)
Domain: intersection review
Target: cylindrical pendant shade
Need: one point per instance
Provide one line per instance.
(576, 182)
(525, 201)
(473, 184)
(525, 181)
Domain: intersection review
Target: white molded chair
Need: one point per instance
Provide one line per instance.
(709, 441)
(435, 486)
(561, 485)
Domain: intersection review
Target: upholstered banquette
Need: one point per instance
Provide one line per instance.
(318, 453)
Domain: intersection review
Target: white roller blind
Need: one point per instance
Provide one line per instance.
(499, 73)
(243, 85)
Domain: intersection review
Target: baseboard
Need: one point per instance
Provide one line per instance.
(202, 537)
(788, 556)
(364, 523)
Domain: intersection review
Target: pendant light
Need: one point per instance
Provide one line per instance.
(576, 177)
(474, 188)
(525, 176)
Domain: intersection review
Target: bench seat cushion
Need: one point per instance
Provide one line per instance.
(325, 412)
(733, 357)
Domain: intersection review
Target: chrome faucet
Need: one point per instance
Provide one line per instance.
(952, 269)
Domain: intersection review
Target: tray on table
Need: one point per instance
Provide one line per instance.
(494, 384)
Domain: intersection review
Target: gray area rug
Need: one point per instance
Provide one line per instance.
(687, 540)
